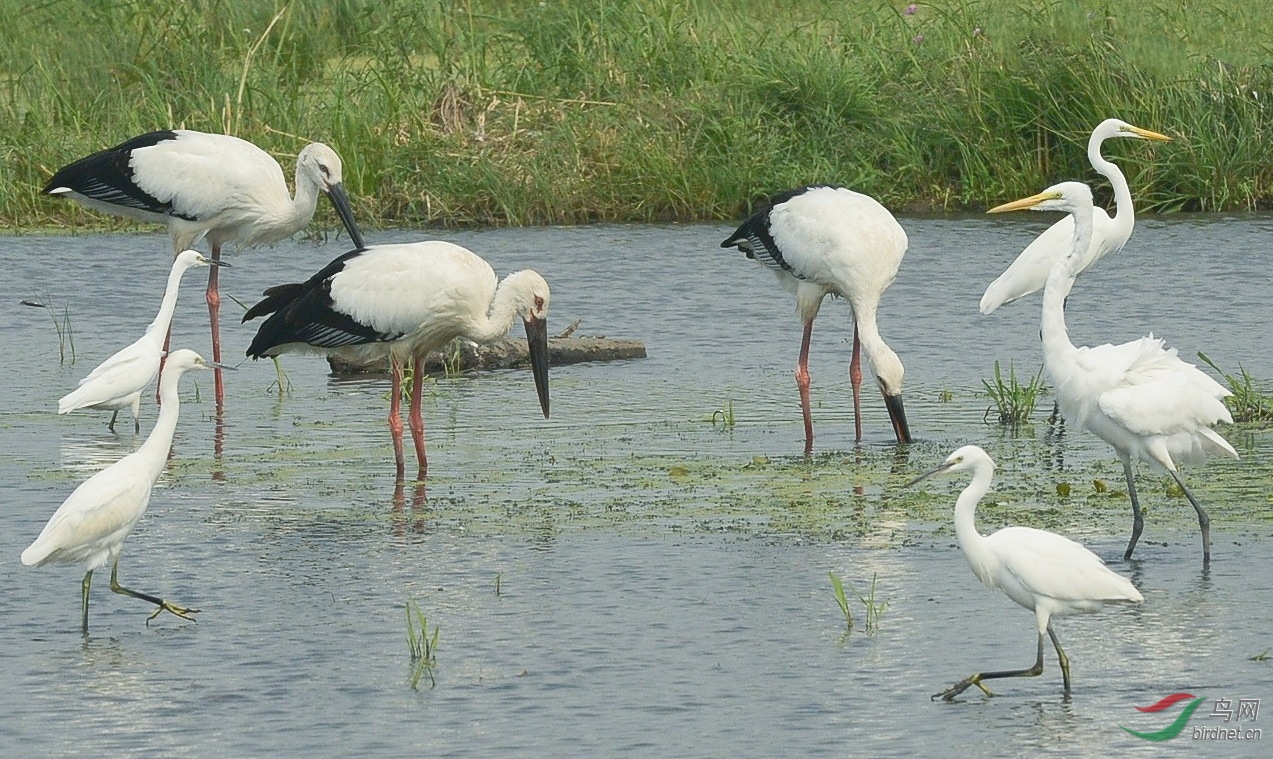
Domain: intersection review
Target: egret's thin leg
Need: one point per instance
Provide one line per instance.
(213, 296)
(111, 426)
(163, 605)
(1204, 521)
(395, 414)
(802, 382)
(417, 421)
(978, 678)
(855, 379)
(1138, 518)
(84, 586)
(1061, 658)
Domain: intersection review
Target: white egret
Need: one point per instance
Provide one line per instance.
(92, 523)
(1047, 573)
(404, 300)
(1030, 269)
(117, 382)
(1137, 396)
(821, 240)
(207, 185)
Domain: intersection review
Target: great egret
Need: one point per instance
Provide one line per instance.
(1137, 396)
(213, 185)
(821, 240)
(1030, 270)
(1047, 573)
(404, 300)
(91, 524)
(117, 382)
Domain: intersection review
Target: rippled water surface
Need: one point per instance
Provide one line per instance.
(625, 576)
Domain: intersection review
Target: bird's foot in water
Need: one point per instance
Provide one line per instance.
(961, 686)
(179, 611)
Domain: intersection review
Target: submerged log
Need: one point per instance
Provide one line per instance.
(505, 354)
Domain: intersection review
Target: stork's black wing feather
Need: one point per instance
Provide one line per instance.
(305, 313)
(107, 176)
(753, 236)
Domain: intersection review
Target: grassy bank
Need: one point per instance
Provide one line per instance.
(493, 112)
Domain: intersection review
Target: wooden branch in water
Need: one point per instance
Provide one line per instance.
(509, 353)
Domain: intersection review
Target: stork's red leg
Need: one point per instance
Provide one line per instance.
(855, 378)
(417, 422)
(802, 382)
(395, 417)
(213, 296)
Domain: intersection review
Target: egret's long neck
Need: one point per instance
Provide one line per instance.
(509, 296)
(971, 542)
(1056, 338)
(158, 328)
(159, 441)
(1124, 214)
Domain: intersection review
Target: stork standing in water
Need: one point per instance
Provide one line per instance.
(821, 241)
(117, 382)
(207, 185)
(92, 523)
(1029, 271)
(1137, 396)
(1046, 573)
(404, 301)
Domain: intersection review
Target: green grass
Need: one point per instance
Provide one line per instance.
(1248, 404)
(874, 609)
(496, 112)
(1014, 402)
(422, 645)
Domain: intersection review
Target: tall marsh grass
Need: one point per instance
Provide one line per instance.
(499, 112)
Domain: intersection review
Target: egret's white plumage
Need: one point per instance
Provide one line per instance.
(1138, 396)
(1029, 271)
(404, 301)
(207, 185)
(1047, 573)
(117, 382)
(91, 524)
(820, 241)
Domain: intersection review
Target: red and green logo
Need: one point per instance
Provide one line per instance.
(1174, 729)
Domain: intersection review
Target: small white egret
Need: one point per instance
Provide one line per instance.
(404, 301)
(821, 240)
(1030, 269)
(1047, 573)
(117, 382)
(1137, 396)
(92, 523)
(213, 185)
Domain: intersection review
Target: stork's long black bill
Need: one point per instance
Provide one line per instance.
(341, 201)
(897, 414)
(537, 343)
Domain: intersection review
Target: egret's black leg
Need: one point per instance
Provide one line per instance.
(1060, 656)
(88, 580)
(978, 678)
(1204, 521)
(1138, 518)
(163, 605)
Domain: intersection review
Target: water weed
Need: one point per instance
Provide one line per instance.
(422, 645)
(1248, 404)
(842, 601)
(1014, 402)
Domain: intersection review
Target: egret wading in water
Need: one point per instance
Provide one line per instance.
(117, 382)
(1137, 396)
(92, 523)
(821, 240)
(1049, 574)
(404, 301)
(1029, 271)
(207, 185)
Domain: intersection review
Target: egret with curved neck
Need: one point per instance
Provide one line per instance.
(117, 382)
(1046, 573)
(1137, 396)
(1029, 272)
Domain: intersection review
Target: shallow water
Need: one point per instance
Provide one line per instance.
(662, 581)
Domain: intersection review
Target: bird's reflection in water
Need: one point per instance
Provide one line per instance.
(413, 524)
